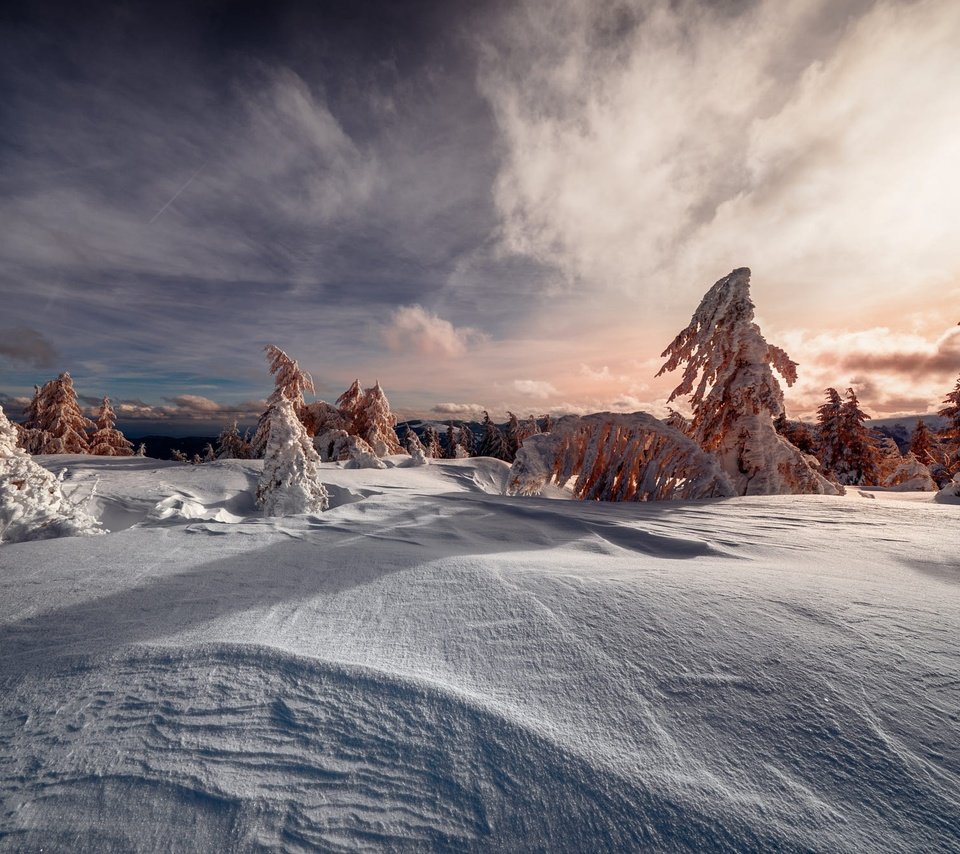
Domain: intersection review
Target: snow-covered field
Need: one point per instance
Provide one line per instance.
(432, 666)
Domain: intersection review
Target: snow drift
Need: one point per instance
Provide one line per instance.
(431, 665)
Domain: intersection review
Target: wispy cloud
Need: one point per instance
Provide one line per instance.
(27, 346)
(413, 329)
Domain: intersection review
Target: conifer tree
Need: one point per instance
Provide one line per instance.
(492, 442)
(512, 435)
(32, 503)
(141, 450)
(178, 456)
(796, 433)
(209, 454)
(465, 442)
(734, 395)
(350, 404)
(829, 442)
(290, 482)
(411, 441)
(107, 441)
(61, 419)
(378, 422)
(951, 411)
(32, 435)
(290, 382)
(529, 428)
(450, 443)
(861, 458)
(432, 443)
(231, 445)
(923, 444)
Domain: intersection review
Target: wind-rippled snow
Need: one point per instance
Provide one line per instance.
(432, 666)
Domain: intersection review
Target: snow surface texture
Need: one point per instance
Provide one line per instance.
(430, 665)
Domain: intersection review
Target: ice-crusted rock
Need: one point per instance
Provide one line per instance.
(32, 503)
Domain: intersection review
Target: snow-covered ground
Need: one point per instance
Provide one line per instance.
(432, 666)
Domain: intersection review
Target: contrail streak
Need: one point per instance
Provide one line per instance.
(174, 198)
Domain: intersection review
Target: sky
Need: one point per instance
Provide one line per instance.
(482, 205)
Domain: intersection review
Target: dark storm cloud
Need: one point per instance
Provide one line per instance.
(27, 346)
(187, 181)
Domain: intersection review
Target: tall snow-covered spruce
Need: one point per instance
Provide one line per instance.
(56, 414)
(735, 396)
(32, 503)
(290, 482)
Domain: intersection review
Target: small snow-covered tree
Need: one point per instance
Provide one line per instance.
(923, 444)
(32, 503)
(450, 443)
(431, 442)
(378, 422)
(178, 456)
(528, 428)
(209, 454)
(107, 441)
(951, 411)
(492, 442)
(415, 448)
(231, 445)
(829, 431)
(350, 404)
(465, 442)
(860, 458)
(61, 419)
(32, 435)
(141, 450)
(734, 395)
(618, 458)
(290, 482)
(512, 435)
(290, 382)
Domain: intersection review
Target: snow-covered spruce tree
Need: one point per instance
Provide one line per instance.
(860, 460)
(923, 444)
(32, 503)
(450, 443)
(32, 435)
(209, 454)
(492, 442)
(734, 395)
(378, 422)
(829, 429)
(618, 458)
(61, 419)
(431, 442)
(951, 411)
(141, 450)
(108, 441)
(231, 445)
(290, 382)
(290, 482)
(465, 442)
(178, 456)
(512, 435)
(418, 454)
(528, 428)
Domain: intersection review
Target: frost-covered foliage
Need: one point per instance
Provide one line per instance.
(923, 445)
(290, 382)
(32, 503)
(418, 454)
(56, 414)
(618, 458)
(141, 450)
(178, 456)
(367, 414)
(231, 445)
(734, 395)
(951, 411)
(378, 422)
(466, 442)
(431, 443)
(107, 441)
(341, 446)
(860, 460)
(493, 443)
(911, 476)
(290, 482)
(319, 417)
(418, 457)
(796, 433)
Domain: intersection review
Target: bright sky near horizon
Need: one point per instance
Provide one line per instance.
(483, 205)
